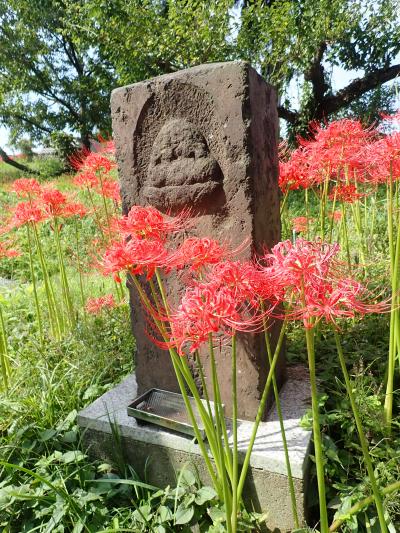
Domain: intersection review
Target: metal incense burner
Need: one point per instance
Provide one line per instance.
(167, 409)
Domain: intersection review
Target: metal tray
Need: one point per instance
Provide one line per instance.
(167, 409)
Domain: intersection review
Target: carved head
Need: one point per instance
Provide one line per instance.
(182, 171)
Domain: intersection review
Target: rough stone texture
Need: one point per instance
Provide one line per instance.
(203, 138)
(162, 453)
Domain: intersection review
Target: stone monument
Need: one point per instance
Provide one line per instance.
(205, 139)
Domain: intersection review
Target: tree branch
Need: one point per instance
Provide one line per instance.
(287, 114)
(29, 121)
(316, 75)
(357, 88)
(7, 159)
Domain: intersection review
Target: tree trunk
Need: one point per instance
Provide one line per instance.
(15, 164)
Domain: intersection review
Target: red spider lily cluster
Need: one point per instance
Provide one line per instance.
(43, 203)
(225, 296)
(300, 224)
(95, 306)
(345, 193)
(95, 172)
(39, 203)
(7, 250)
(343, 152)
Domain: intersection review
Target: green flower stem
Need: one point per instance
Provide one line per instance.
(63, 276)
(54, 315)
(372, 209)
(389, 204)
(357, 507)
(199, 367)
(4, 363)
(319, 460)
(345, 235)
(219, 412)
(260, 412)
(306, 200)
(235, 459)
(96, 215)
(394, 335)
(358, 225)
(283, 204)
(200, 442)
(363, 440)
(332, 221)
(79, 265)
(282, 428)
(323, 203)
(207, 421)
(219, 419)
(176, 360)
(105, 203)
(35, 293)
(283, 208)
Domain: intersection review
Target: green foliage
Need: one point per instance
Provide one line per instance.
(60, 61)
(48, 166)
(26, 148)
(143, 39)
(47, 484)
(51, 78)
(64, 144)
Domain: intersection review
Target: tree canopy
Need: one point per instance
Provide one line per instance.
(52, 78)
(60, 59)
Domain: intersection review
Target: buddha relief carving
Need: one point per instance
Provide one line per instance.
(182, 170)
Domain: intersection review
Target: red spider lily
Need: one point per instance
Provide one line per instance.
(208, 308)
(72, 209)
(109, 189)
(300, 224)
(149, 223)
(334, 152)
(383, 158)
(86, 180)
(27, 212)
(107, 146)
(98, 163)
(295, 173)
(198, 252)
(300, 263)
(312, 284)
(136, 256)
(338, 298)
(338, 145)
(289, 268)
(391, 118)
(53, 201)
(26, 187)
(78, 158)
(96, 305)
(6, 251)
(336, 215)
(238, 276)
(56, 204)
(345, 193)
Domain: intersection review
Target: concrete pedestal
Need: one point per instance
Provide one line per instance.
(162, 453)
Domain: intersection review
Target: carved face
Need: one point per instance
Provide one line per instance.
(182, 171)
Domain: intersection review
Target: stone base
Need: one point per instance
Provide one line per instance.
(157, 454)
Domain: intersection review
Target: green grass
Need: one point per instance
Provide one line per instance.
(48, 483)
(51, 483)
(48, 166)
